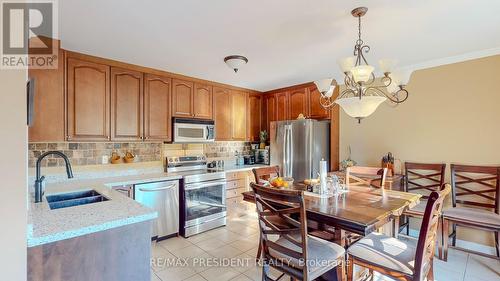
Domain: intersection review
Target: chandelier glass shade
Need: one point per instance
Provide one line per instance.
(360, 108)
(362, 92)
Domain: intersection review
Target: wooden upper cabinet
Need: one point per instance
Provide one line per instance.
(157, 117)
(254, 116)
(239, 115)
(88, 100)
(270, 110)
(48, 119)
(316, 111)
(222, 113)
(298, 103)
(282, 110)
(126, 104)
(182, 98)
(202, 101)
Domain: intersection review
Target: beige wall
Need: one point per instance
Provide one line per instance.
(13, 167)
(452, 115)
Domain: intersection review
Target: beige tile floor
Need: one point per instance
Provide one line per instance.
(198, 258)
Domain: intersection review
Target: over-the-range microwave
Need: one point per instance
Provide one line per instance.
(187, 130)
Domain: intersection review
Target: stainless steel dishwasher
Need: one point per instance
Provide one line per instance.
(162, 197)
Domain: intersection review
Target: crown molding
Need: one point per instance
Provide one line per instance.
(454, 59)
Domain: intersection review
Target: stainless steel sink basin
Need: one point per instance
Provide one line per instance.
(71, 199)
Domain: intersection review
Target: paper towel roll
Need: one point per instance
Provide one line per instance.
(322, 176)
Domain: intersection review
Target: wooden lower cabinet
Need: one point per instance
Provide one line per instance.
(222, 114)
(48, 119)
(237, 183)
(157, 117)
(126, 104)
(239, 115)
(88, 100)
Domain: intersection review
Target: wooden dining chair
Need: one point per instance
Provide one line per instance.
(475, 198)
(423, 179)
(287, 247)
(358, 175)
(316, 229)
(397, 258)
(266, 173)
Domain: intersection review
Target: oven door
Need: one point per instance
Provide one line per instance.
(204, 202)
(189, 133)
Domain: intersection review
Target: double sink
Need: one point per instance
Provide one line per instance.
(71, 199)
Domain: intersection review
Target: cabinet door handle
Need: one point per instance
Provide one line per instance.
(68, 137)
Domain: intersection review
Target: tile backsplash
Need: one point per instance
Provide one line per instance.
(221, 150)
(91, 153)
(226, 149)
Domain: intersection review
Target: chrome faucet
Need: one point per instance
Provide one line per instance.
(39, 190)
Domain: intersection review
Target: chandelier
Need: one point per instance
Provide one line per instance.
(363, 93)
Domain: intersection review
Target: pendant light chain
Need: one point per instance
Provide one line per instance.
(360, 42)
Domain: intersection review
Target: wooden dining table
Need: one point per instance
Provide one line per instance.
(360, 210)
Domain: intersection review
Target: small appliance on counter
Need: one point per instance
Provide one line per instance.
(249, 159)
(219, 164)
(239, 159)
(262, 156)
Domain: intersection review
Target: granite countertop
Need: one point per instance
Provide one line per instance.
(47, 226)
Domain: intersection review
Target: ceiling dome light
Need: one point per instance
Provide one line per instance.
(235, 62)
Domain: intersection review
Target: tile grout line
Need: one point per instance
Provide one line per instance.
(466, 266)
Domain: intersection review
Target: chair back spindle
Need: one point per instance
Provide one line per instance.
(428, 232)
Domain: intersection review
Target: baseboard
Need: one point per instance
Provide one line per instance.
(465, 244)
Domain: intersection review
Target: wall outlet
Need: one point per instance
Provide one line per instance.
(105, 159)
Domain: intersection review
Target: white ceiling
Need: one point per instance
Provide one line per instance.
(287, 42)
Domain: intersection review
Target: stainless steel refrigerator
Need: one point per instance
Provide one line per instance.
(297, 146)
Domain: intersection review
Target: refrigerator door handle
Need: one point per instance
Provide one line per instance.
(285, 153)
(290, 152)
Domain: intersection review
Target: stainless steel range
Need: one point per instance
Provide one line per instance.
(202, 195)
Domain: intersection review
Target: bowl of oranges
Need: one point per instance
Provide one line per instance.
(281, 182)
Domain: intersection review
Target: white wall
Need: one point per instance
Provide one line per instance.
(13, 169)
